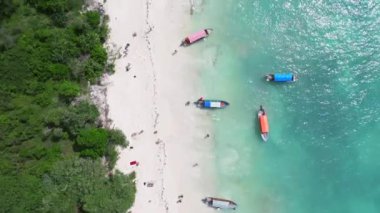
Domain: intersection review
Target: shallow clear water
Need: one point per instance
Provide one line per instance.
(322, 155)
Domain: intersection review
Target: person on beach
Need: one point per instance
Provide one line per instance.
(180, 197)
(199, 101)
(158, 141)
(126, 49)
(128, 67)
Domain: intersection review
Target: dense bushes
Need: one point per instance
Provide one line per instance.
(96, 142)
(49, 50)
(81, 184)
(22, 193)
(92, 142)
(7, 8)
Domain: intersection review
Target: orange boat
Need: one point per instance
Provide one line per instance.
(263, 121)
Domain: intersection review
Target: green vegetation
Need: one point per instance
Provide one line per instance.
(82, 181)
(51, 141)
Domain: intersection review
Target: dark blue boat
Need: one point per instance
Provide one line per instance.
(281, 77)
(211, 104)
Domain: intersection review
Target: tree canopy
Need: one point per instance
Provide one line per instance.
(49, 137)
(81, 184)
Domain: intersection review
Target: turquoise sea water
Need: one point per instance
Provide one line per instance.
(324, 147)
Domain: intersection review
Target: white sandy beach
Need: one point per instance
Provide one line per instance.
(150, 99)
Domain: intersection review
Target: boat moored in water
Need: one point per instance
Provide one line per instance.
(264, 126)
(211, 104)
(191, 39)
(219, 203)
(281, 77)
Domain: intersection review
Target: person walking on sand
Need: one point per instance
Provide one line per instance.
(128, 67)
(199, 102)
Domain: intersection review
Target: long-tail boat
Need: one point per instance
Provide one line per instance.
(281, 77)
(263, 121)
(197, 36)
(219, 203)
(211, 104)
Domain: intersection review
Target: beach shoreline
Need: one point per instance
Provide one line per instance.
(147, 96)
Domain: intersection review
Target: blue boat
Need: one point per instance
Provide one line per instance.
(211, 104)
(281, 77)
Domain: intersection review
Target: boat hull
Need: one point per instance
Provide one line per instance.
(211, 104)
(278, 78)
(219, 203)
(264, 126)
(265, 136)
(195, 37)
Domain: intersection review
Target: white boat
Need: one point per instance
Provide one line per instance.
(219, 203)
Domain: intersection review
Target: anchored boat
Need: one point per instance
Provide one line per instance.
(263, 121)
(219, 203)
(211, 104)
(191, 39)
(281, 77)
